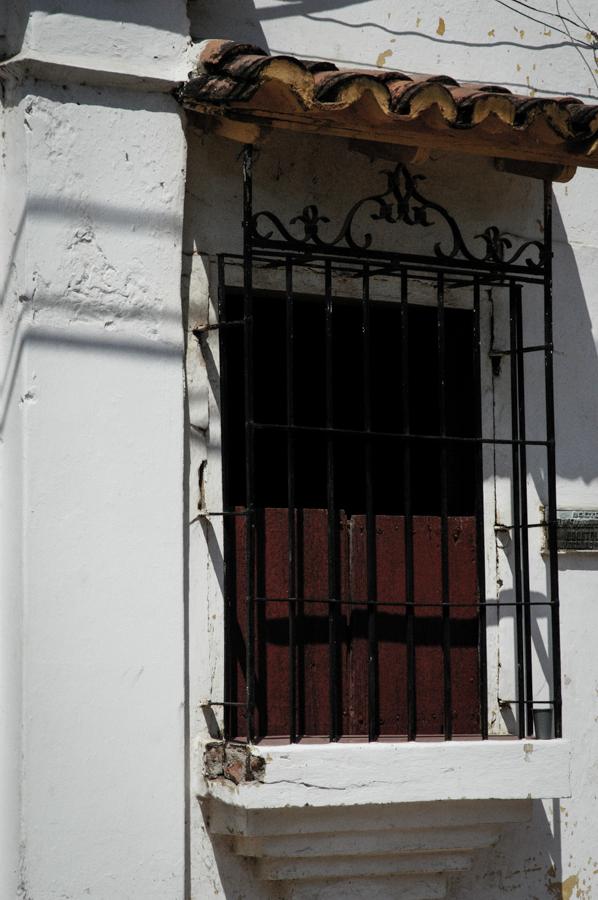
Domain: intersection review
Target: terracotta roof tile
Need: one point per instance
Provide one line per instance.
(241, 81)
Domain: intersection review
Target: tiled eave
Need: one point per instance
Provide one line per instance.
(242, 84)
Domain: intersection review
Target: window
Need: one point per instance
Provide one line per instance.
(354, 462)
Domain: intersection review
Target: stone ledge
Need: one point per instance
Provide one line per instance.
(325, 775)
(430, 887)
(235, 821)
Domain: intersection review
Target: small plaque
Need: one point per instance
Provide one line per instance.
(577, 529)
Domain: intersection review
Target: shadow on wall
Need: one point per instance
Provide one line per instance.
(208, 22)
(46, 317)
(503, 871)
(13, 24)
(497, 872)
(152, 14)
(241, 20)
(244, 20)
(576, 366)
(243, 23)
(575, 372)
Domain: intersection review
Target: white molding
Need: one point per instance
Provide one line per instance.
(354, 774)
(77, 70)
(398, 849)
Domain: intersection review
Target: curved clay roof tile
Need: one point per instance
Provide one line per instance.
(418, 97)
(436, 79)
(478, 106)
(321, 66)
(215, 54)
(531, 109)
(332, 86)
(584, 120)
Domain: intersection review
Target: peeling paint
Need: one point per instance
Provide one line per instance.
(562, 890)
(382, 57)
(441, 26)
(528, 749)
(492, 33)
(28, 397)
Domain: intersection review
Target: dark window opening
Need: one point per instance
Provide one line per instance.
(309, 380)
(312, 658)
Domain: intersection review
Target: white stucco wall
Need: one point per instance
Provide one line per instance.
(93, 739)
(99, 474)
(12, 193)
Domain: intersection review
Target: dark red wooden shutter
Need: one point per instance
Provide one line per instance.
(312, 674)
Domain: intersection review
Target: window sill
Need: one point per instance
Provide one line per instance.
(353, 774)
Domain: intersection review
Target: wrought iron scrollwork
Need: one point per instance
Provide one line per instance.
(401, 202)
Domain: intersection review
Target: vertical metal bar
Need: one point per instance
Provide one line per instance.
(513, 293)
(479, 495)
(228, 523)
(551, 465)
(292, 518)
(249, 433)
(300, 629)
(372, 580)
(409, 573)
(524, 531)
(444, 558)
(333, 580)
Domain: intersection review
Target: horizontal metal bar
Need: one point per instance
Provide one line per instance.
(502, 702)
(388, 270)
(203, 513)
(206, 513)
(557, 522)
(415, 604)
(500, 527)
(399, 259)
(405, 263)
(222, 703)
(353, 432)
(533, 349)
(215, 326)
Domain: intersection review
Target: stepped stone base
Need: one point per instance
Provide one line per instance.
(405, 850)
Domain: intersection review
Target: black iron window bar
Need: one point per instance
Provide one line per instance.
(268, 242)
